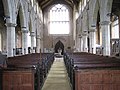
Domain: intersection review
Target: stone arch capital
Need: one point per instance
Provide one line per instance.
(105, 23)
(32, 34)
(11, 24)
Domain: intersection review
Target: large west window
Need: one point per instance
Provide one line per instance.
(59, 20)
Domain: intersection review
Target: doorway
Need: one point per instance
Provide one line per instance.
(59, 45)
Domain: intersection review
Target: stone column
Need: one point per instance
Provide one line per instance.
(10, 39)
(77, 44)
(119, 31)
(41, 45)
(32, 42)
(38, 44)
(92, 36)
(105, 27)
(24, 40)
(119, 23)
(85, 43)
(81, 43)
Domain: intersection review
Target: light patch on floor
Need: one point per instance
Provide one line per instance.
(57, 78)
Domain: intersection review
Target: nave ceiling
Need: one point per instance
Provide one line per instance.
(116, 7)
(46, 3)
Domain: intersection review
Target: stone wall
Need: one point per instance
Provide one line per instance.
(49, 40)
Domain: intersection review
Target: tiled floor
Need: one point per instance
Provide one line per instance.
(57, 78)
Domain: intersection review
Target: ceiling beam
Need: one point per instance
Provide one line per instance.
(45, 5)
(44, 2)
(69, 2)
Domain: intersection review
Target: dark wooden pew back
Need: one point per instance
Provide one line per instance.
(1, 72)
(3, 59)
(18, 79)
(93, 79)
(76, 63)
(26, 60)
(39, 63)
(3, 64)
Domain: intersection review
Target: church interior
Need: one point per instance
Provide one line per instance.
(59, 44)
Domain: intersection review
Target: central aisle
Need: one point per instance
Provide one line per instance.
(57, 78)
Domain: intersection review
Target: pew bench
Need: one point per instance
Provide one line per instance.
(19, 79)
(1, 71)
(3, 64)
(96, 79)
(31, 64)
(82, 67)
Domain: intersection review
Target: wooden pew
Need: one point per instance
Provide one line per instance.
(3, 64)
(1, 78)
(30, 64)
(19, 79)
(102, 79)
(86, 64)
(31, 60)
(3, 59)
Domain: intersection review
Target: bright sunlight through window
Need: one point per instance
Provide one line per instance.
(59, 20)
(115, 30)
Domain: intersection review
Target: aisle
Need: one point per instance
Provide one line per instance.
(57, 78)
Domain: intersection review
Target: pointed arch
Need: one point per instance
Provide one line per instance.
(59, 45)
(109, 5)
(7, 5)
(21, 13)
(32, 20)
(30, 25)
(95, 12)
(7, 9)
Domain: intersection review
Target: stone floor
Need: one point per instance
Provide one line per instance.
(57, 78)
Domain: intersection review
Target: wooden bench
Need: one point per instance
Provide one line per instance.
(20, 79)
(3, 64)
(87, 64)
(3, 59)
(94, 79)
(31, 60)
(1, 78)
(31, 64)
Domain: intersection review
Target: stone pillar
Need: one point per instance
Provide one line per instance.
(41, 45)
(119, 31)
(85, 43)
(81, 43)
(10, 39)
(38, 44)
(77, 44)
(32, 42)
(119, 24)
(24, 40)
(92, 36)
(105, 27)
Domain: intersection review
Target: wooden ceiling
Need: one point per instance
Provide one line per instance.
(1, 11)
(45, 3)
(116, 7)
